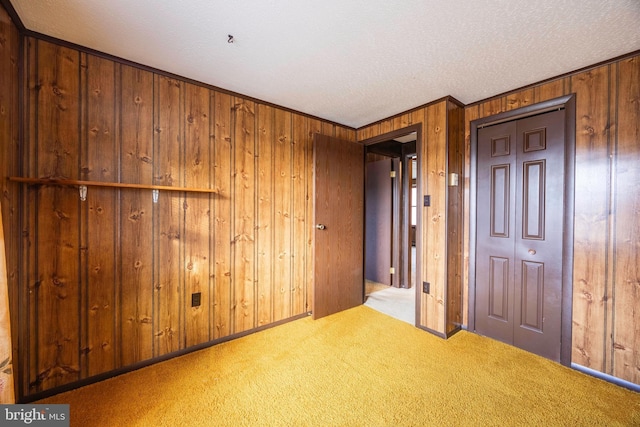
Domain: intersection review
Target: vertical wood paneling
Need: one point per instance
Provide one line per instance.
(131, 266)
(455, 219)
(494, 106)
(282, 204)
(626, 262)
(100, 240)
(345, 134)
(405, 120)
(30, 219)
(386, 126)
(223, 151)
(315, 127)
(368, 132)
(592, 177)
(244, 216)
(470, 114)
(197, 211)
(299, 192)
(168, 213)
(519, 99)
(136, 220)
(550, 90)
(10, 166)
(56, 305)
(434, 217)
(265, 226)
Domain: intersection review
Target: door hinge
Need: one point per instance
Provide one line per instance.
(392, 270)
(392, 174)
(426, 287)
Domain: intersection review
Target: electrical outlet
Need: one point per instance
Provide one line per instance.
(426, 287)
(195, 299)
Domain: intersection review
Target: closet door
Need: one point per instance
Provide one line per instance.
(495, 229)
(520, 209)
(538, 241)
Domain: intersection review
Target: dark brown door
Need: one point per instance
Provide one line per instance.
(378, 222)
(520, 210)
(339, 230)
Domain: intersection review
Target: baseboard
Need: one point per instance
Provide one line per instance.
(114, 373)
(606, 377)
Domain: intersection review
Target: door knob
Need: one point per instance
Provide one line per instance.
(321, 226)
(532, 251)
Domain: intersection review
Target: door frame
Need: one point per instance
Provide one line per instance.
(568, 103)
(417, 128)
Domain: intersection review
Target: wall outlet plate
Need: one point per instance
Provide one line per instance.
(196, 298)
(426, 287)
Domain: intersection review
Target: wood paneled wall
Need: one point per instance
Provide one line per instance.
(108, 283)
(606, 275)
(10, 146)
(440, 153)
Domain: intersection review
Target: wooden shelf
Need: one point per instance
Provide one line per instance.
(74, 182)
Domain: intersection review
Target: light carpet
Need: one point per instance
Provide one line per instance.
(399, 303)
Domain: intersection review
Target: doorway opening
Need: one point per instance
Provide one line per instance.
(391, 172)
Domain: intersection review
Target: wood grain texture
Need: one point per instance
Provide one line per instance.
(244, 216)
(592, 217)
(404, 120)
(197, 210)
(551, 90)
(470, 114)
(56, 307)
(299, 175)
(435, 217)
(265, 219)
(118, 289)
(626, 263)
(136, 216)
(282, 200)
(222, 161)
(494, 106)
(519, 99)
(455, 218)
(315, 127)
(9, 165)
(169, 217)
(100, 235)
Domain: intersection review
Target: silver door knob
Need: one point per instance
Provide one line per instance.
(321, 226)
(532, 251)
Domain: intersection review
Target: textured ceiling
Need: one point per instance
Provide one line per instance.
(353, 62)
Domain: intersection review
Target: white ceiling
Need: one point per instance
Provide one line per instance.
(350, 61)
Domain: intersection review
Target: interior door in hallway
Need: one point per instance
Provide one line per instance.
(339, 231)
(520, 211)
(378, 221)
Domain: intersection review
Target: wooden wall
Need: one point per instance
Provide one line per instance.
(107, 283)
(606, 274)
(10, 145)
(439, 153)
